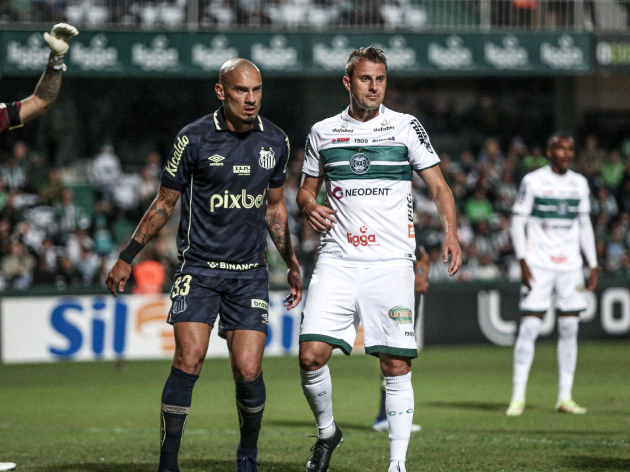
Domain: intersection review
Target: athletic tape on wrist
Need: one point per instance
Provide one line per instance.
(131, 251)
(56, 62)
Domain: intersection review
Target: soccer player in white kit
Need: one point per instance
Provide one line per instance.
(366, 156)
(553, 204)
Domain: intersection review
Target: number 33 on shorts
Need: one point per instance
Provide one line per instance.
(181, 287)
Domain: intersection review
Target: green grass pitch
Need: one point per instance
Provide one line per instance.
(90, 417)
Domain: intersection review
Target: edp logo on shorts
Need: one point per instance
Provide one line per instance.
(400, 314)
(359, 163)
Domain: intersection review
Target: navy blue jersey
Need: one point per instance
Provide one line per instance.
(224, 178)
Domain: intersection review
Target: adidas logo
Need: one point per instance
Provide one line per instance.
(216, 160)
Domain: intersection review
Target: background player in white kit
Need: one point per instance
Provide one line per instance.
(553, 203)
(366, 155)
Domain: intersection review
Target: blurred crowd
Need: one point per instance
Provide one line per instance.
(173, 13)
(64, 228)
(407, 14)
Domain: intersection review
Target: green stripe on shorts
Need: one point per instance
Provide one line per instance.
(334, 342)
(394, 351)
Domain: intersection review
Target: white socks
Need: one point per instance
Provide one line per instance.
(524, 355)
(399, 405)
(317, 388)
(567, 354)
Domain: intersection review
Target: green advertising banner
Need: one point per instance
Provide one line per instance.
(142, 54)
(612, 52)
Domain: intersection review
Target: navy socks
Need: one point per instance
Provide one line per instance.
(250, 402)
(176, 400)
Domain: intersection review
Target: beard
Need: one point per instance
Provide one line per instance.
(248, 120)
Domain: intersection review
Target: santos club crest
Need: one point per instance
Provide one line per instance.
(267, 158)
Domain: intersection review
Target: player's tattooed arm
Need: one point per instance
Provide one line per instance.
(278, 227)
(157, 215)
(44, 97)
(160, 211)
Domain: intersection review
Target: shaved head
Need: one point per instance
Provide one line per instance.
(234, 67)
(240, 90)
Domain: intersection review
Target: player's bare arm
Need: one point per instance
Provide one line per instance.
(278, 227)
(318, 216)
(445, 204)
(47, 88)
(156, 216)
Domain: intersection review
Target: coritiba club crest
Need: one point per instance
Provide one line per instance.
(359, 163)
(267, 158)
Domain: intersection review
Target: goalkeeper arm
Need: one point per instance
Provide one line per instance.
(48, 86)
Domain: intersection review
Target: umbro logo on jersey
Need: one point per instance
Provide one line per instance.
(267, 159)
(216, 160)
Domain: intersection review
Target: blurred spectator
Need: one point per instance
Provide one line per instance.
(88, 265)
(148, 188)
(612, 171)
(18, 266)
(148, 274)
(67, 275)
(52, 191)
(69, 216)
(604, 202)
(589, 160)
(616, 249)
(13, 174)
(478, 207)
(105, 172)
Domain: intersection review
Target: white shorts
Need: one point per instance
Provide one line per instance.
(381, 298)
(568, 285)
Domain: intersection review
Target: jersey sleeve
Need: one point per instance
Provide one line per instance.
(180, 163)
(312, 165)
(524, 200)
(421, 153)
(9, 115)
(279, 176)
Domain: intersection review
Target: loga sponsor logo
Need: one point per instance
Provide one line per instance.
(362, 239)
(339, 193)
(173, 164)
(242, 200)
(384, 139)
(341, 140)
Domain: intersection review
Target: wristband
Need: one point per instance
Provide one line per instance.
(131, 251)
(56, 62)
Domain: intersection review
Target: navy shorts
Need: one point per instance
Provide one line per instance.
(242, 303)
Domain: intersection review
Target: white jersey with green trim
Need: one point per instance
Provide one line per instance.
(552, 203)
(368, 168)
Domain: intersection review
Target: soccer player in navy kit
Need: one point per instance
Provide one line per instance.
(229, 167)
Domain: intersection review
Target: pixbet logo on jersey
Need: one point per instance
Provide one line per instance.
(363, 239)
(244, 200)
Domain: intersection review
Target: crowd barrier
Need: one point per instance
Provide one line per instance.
(95, 327)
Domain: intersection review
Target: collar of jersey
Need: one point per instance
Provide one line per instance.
(346, 116)
(221, 125)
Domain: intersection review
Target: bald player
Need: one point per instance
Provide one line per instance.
(230, 168)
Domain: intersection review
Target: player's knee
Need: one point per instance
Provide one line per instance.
(395, 367)
(246, 372)
(189, 361)
(310, 361)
